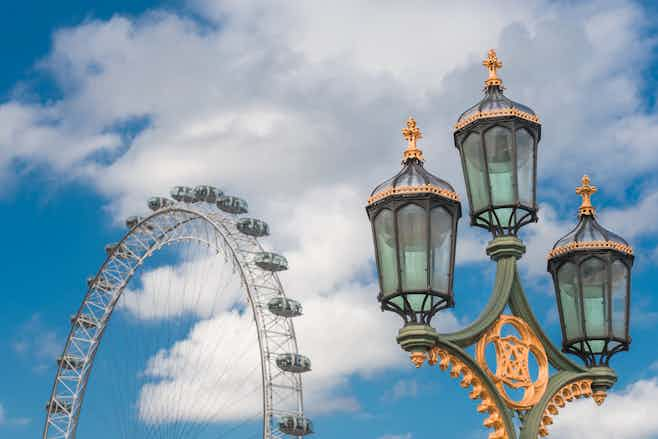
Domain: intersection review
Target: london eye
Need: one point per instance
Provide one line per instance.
(200, 339)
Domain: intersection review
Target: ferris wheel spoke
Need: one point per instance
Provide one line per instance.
(162, 326)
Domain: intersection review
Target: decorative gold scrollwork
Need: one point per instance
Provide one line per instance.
(578, 389)
(468, 378)
(512, 357)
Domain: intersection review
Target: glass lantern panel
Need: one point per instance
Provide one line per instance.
(498, 147)
(475, 170)
(567, 277)
(525, 163)
(619, 292)
(441, 248)
(387, 257)
(593, 274)
(420, 302)
(412, 229)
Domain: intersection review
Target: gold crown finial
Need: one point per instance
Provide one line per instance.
(492, 63)
(586, 191)
(412, 133)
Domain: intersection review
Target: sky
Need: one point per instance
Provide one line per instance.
(297, 106)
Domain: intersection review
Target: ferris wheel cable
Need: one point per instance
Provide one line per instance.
(168, 223)
(236, 428)
(219, 379)
(159, 344)
(221, 408)
(246, 379)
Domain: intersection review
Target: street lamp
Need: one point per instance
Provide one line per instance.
(591, 269)
(497, 140)
(414, 219)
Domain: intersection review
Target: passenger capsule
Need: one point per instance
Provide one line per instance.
(295, 363)
(271, 261)
(207, 194)
(284, 307)
(253, 227)
(157, 203)
(133, 221)
(70, 362)
(232, 204)
(100, 283)
(59, 407)
(182, 193)
(295, 425)
(85, 321)
(119, 251)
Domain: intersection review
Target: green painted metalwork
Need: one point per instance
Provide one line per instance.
(507, 290)
(484, 378)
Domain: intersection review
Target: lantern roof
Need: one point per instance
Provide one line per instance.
(413, 178)
(494, 103)
(588, 233)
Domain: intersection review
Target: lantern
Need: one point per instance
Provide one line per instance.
(591, 270)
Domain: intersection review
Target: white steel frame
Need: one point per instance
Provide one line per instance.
(204, 223)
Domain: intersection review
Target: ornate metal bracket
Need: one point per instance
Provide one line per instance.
(542, 398)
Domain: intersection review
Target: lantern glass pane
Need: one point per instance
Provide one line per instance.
(475, 170)
(498, 146)
(594, 274)
(420, 302)
(441, 247)
(412, 229)
(387, 257)
(525, 163)
(619, 291)
(571, 312)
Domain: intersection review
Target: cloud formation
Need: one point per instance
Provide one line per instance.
(625, 415)
(267, 100)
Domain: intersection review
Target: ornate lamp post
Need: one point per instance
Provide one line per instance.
(414, 221)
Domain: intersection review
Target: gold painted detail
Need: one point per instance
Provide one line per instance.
(586, 191)
(412, 133)
(414, 190)
(512, 361)
(492, 63)
(599, 396)
(418, 358)
(578, 389)
(459, 369)
(590, 245)
(496, 113)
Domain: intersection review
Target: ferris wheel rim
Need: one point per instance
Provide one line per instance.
(219, 224)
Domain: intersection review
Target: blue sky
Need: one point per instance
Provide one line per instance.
(101, 108)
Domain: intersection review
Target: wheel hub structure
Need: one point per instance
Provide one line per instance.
(206, 219)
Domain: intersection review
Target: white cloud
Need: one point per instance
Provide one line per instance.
(320, 105)
(268, 100)
(181, 390)
(402, 389)
(5, 420)
(629, 414)
(201, 285)
(37, 344)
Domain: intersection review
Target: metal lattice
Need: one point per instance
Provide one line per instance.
(207, 225)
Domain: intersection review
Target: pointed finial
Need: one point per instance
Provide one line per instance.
(412, 133)
(492, 63)
(586, 191)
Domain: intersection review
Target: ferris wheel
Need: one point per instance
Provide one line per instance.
(197, 311)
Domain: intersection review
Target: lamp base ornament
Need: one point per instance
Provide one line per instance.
(417, 340)
(459, 369)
